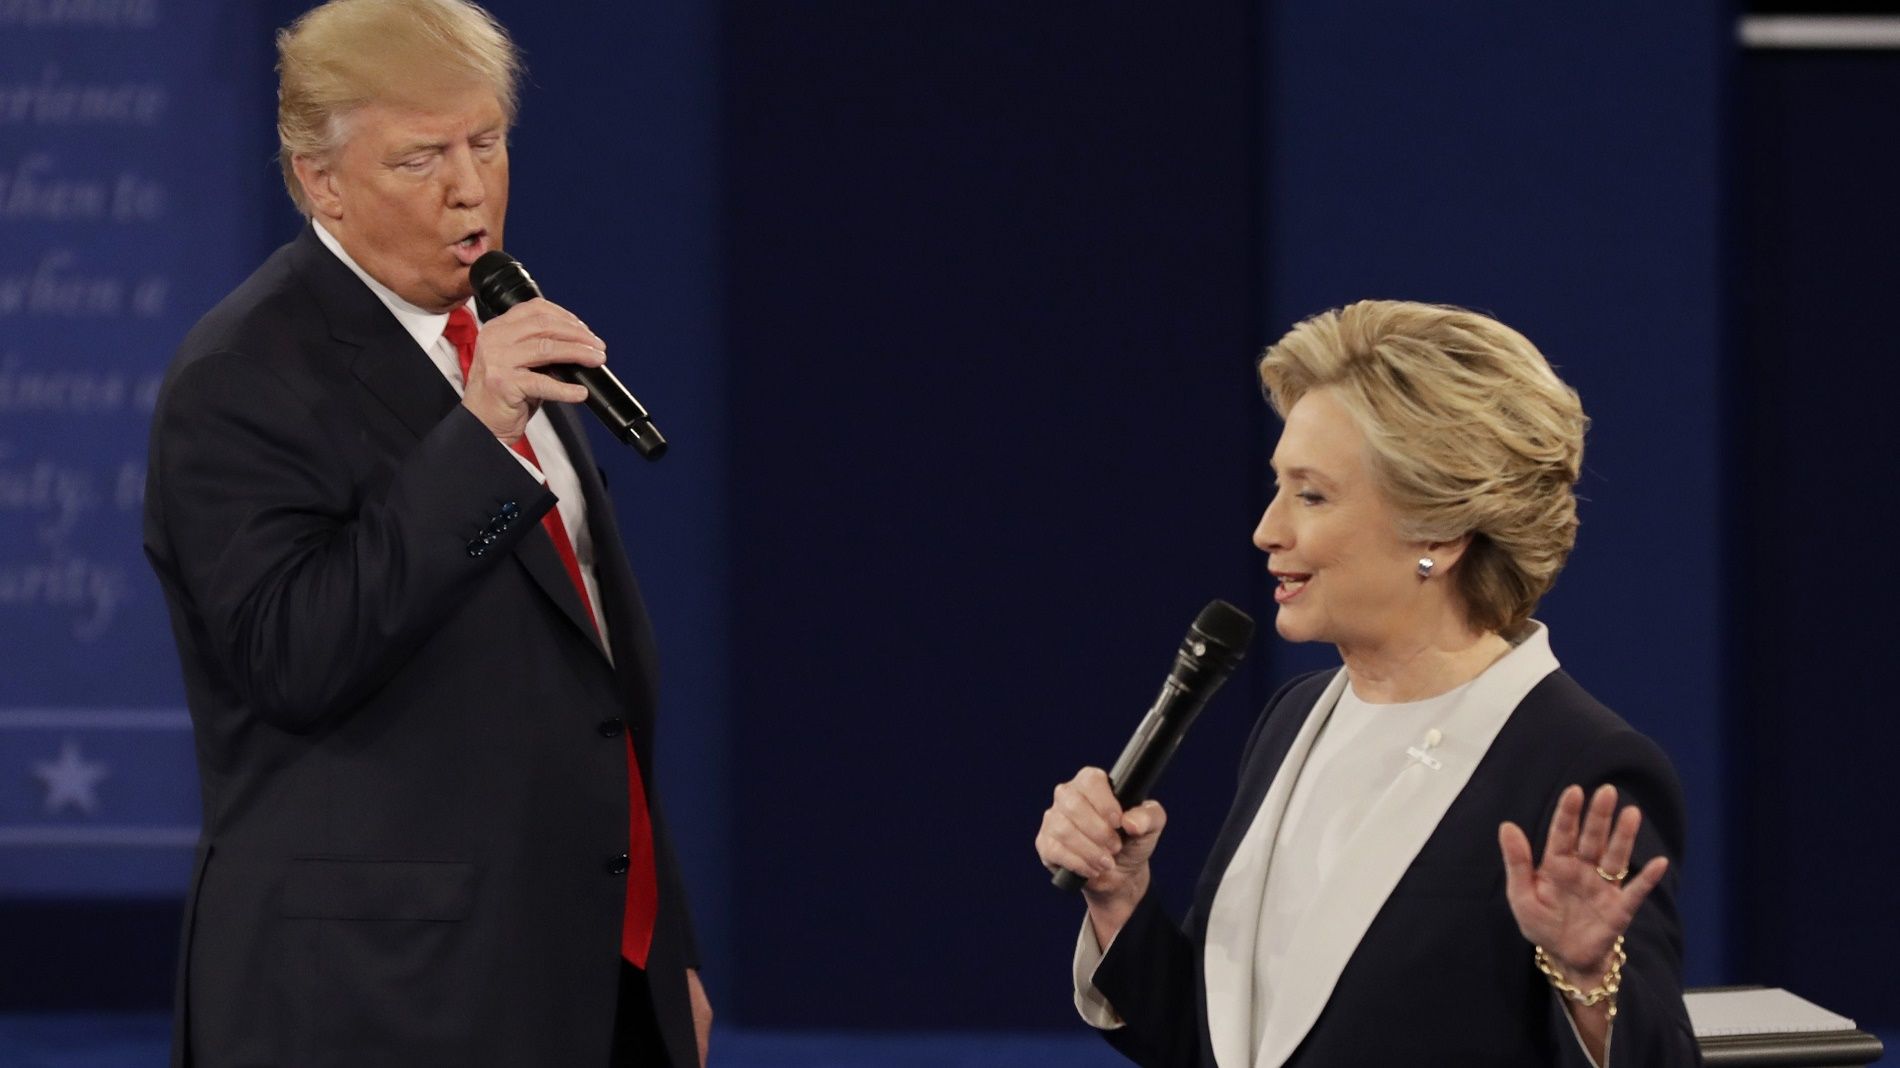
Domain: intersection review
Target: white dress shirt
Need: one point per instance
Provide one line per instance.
(1361, 749)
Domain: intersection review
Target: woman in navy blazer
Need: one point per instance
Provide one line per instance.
(1372, 897)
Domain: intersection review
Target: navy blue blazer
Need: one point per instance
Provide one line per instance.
(1442, 976)
(410, 744)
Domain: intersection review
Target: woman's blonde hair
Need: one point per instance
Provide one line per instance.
(347, 53)
(1469, 432)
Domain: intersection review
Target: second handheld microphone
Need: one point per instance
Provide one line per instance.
(1214, 644)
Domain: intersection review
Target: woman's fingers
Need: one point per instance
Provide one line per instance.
(1061, 844)
(1565, 903)
(1585, 831)
(1092, 811)
(1598, 815)
(1091, 785)
(1516, 850)
(1637, 889)
(1561, 840)
(1056, 853)
(1596, 826)
(1142, 825)
(1081, 826)
(1622, 842)
(1144, 820)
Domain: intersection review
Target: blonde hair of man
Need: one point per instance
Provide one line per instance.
(347, 53)
(1469, 431)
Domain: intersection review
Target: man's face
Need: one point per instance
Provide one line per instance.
(416, 194)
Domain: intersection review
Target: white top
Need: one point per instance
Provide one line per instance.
(1361, 750)
(556, 470)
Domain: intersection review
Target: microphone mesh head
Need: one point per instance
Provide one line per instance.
(500, 283)
(1224, 625)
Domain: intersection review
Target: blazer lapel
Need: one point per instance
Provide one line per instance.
(627, 624)
(537, 555)
(400, 376)
(1233, 918)
(387, 362)
(1394, 831)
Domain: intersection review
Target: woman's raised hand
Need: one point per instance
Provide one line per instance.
(1582, 896)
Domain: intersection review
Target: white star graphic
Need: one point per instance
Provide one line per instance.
(71, 780)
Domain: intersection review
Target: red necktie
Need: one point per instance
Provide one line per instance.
(643, 894)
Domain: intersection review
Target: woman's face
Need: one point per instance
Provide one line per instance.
(1344, 574)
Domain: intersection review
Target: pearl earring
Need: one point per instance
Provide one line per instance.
(1425, 566)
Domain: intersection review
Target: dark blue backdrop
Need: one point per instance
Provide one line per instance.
(950, 312)
(1817, 229)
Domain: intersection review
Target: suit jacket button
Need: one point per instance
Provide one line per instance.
(618, 865)
(611, 728)
(510, 509)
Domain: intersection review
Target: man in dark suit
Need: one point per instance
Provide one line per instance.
(419, 670)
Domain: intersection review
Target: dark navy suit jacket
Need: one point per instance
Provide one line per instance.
(1442, 976)
(410, 744)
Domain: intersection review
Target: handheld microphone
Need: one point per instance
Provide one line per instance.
(500, 283)
(1214, 644)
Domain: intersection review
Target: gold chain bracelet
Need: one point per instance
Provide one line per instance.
(1612, 980)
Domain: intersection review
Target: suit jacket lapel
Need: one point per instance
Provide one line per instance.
(387, 362)
(1242, 857)
(1264, 756)
(1376, 858)
(399, 375)
(619, 592)
(538, 557)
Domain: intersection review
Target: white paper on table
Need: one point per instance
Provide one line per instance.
(1764, 1011)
